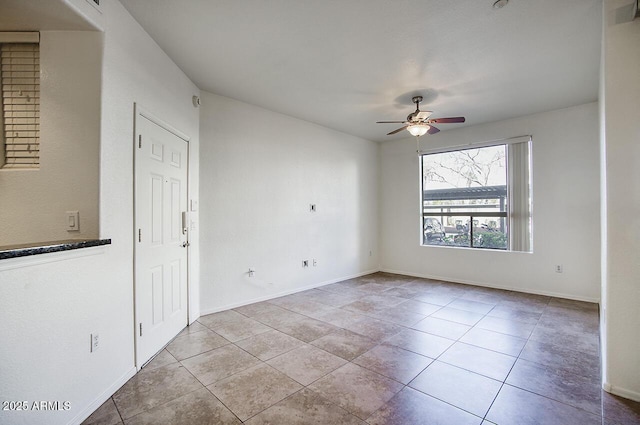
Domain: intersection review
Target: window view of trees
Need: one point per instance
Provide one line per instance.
(464, 198)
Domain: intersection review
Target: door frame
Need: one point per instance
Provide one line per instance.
(139, 111)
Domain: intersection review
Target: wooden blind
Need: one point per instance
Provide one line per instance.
(20, 73)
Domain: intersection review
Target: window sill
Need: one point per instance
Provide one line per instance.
(480, 249)
(16, 251)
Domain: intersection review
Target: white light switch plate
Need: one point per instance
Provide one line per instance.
(73, 221)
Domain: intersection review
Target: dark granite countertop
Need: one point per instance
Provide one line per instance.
(14, 251)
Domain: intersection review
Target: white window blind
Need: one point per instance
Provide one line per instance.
(20, 73)
(520, 196)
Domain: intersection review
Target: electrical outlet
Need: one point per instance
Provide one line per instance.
(95, 342)
(559, 268)
(315, 262)
(305, 263)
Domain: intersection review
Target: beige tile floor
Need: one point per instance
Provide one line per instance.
(380, 349)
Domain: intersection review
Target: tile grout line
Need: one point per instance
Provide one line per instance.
(162, 404)
(225, 406)
(117, 410)
(498, 393)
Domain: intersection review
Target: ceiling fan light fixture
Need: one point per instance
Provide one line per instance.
(418, 129)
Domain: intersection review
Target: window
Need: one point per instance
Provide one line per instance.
(20, 118)
(478, 197)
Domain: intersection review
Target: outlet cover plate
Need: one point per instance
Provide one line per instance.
(95, 342)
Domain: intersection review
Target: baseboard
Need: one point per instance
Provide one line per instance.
(104, 396)
(483, 284)
(204, 312)
(622, 392)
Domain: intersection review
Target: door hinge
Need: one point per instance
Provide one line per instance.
(139, 140)
(140, 328)
(139, 235)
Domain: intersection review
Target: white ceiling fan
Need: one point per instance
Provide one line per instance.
(418, 122)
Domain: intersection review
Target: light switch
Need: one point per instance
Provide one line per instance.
(73, 221)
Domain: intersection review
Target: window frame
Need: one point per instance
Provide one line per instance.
(527, 245)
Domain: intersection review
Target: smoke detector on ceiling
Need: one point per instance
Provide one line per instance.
(499, 4)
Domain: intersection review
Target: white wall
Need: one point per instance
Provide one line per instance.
(565, 209)
(35, 201)
(260, 172)
(620, 97)
(137, 70)
(47, 311)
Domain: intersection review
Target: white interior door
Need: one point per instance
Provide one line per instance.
(161, 175)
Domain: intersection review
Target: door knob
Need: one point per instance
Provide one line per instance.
(185, 244)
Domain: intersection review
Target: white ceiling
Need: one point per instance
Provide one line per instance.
(346, 64)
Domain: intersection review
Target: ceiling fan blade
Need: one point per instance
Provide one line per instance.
(390, 122)
(433, 130)
(397, 131)
(450, 120)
